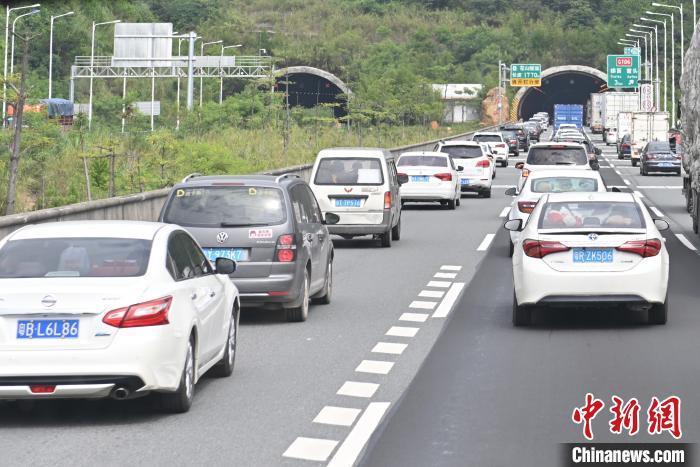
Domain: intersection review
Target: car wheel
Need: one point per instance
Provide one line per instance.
(634, 162)
(658, 313)
(300, 313)
(451, 205)
(180, 401)
(511, 249)
(325, 297)
(485, 193)
(225, 367)
(521, 314)
(458, 201)
(396, 231)
(385, 239)
(504, 163)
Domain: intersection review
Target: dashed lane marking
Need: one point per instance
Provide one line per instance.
(312, 449)
(389, 348)
(439, 284)
(339, 416)
(445, 275)
(486, 242)
(375, 367)
(350, 450)
(422, 305)
(449, 301)
(686, 242)
(431, 293)
(447, 267)
(504, 212)
(357, 389)
(414, 317)
(627, 182)
(402, 331)
(656, 211)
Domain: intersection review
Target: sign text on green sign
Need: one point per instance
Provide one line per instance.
(525, 74)
(623, 71)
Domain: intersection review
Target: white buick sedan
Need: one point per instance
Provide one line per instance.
(115, 309)
(590, 248)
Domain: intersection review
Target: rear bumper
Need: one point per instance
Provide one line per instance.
(275, 288)
(362, 229)
(67, 387)
(415, 193)
(476, 185)
(654, 167)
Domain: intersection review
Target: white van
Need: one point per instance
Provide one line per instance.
(361, 186)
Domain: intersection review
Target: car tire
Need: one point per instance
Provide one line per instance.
(301, 312)
(396, 231)
(485, 193)
(658, 313)
(504, 163)
(451, 205)
(385, 239)
(327, 292)
(634, 162)
(224, 368)
(521, 314)
(180, 401)
(459, 200)
(511, 248)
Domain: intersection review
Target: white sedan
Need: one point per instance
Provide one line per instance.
(590, 249)
(477, 163)
(432, 176)
(94, 309)
(549, 181)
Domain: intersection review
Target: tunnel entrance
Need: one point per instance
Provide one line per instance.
(310, 87)
(571, 84)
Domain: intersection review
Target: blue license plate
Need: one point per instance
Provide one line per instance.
(419, 178)
(48, 328)
(665, 164)
(593, 255)
(464, 181)
(236, 254)
(348, 203)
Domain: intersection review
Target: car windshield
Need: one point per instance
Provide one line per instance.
(349, 171)
(603, 214)
(74, 257)
(463, 152)
(487, 139)
(428, 161)
(659, 146)
(563, 184)
(229, 206)
(557, 156)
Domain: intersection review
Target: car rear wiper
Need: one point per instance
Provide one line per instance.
(565, 163)
(244, 224)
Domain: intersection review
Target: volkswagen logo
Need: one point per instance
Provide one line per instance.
(221, 237)
(48, 301)
(593, 237)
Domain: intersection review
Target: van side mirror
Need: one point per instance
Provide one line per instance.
(512, 191)
(661, 225)
(460, 168)
(403, 178)
(225, 266)
(514, 225)
(331, 218)
(598, 151)
(520, 165)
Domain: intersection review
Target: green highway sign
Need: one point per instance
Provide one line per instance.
(526, 74)
(623, 71)
(633, 51)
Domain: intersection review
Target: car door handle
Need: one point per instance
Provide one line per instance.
(212, 294)
(193, 296)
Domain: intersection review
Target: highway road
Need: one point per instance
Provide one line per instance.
(414, 363)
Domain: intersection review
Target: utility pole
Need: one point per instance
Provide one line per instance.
(500, 97)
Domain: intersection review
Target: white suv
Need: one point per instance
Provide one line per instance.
(498, 145)
(476, 161)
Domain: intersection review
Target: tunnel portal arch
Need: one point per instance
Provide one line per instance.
(309, 87)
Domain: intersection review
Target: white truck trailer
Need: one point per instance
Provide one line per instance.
(595, 112)
(646, 127)
(612, 104)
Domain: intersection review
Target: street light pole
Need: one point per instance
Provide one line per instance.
(92, 65)
(665, 60)
(680, 9)
(646, 50)
(12, 48)
(201, 76)
(9, 10)
(53, 18)
(673, 61)
(656, 60)
(221, 71)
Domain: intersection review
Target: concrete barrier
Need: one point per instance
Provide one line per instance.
(146, 206)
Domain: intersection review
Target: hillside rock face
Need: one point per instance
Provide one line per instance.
(690, 110)
(489, 108)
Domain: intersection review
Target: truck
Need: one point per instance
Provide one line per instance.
(690, 130)
(568, 113)
(612, 104)
(624, 127)
(646, 127)
(595, 112)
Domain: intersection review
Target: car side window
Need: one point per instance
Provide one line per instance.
(179, 263)
(394, 172)
(199, 261)
(299, 207)
(312, 205)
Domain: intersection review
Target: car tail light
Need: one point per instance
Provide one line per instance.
(540, 249)
(513, 141)
(387, 200)
(445, 177)
(42, 388)
(650, 156)
(526, 207)
(483, 163)
(500, 145)
(285, 251)
(625, 146)
(643, 248)
(152, 313)
(402, 174)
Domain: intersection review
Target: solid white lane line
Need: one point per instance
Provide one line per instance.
(340, 416)
(350, 450)
(445, 275)
(656, 211)
(422, 305)
(638, 194)
(414, 317)
(501, 186)
(449, 301)
(375, 367)
(357, 389)
(486, 242)
(674, 187)
(504, 212)
(627, 182)
(439, 284)
(311, 449)
(612, 165)
(651, 186)
(390, 348)
(431, 293)
(402, 331)
(686, 242)
(447, 267)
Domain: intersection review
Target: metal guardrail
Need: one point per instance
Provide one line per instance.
(146, 206)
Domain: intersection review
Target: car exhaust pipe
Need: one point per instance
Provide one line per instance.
(121, 393)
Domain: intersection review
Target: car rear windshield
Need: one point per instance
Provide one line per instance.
(428, 161)
(557, 156)
(349, 171)
(226, 206)
(509, 134)
(74, 257)
(463, 152)
(563, 184)
(487, 139)
(605, 214)
(659, 146)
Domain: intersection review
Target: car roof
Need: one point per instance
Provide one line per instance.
(487, 133)
(460, 143)
(258, 180)
(591, 196)
(559, 144)
(564, 173)
(350, 152)
(91, 229)
(424, 153)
